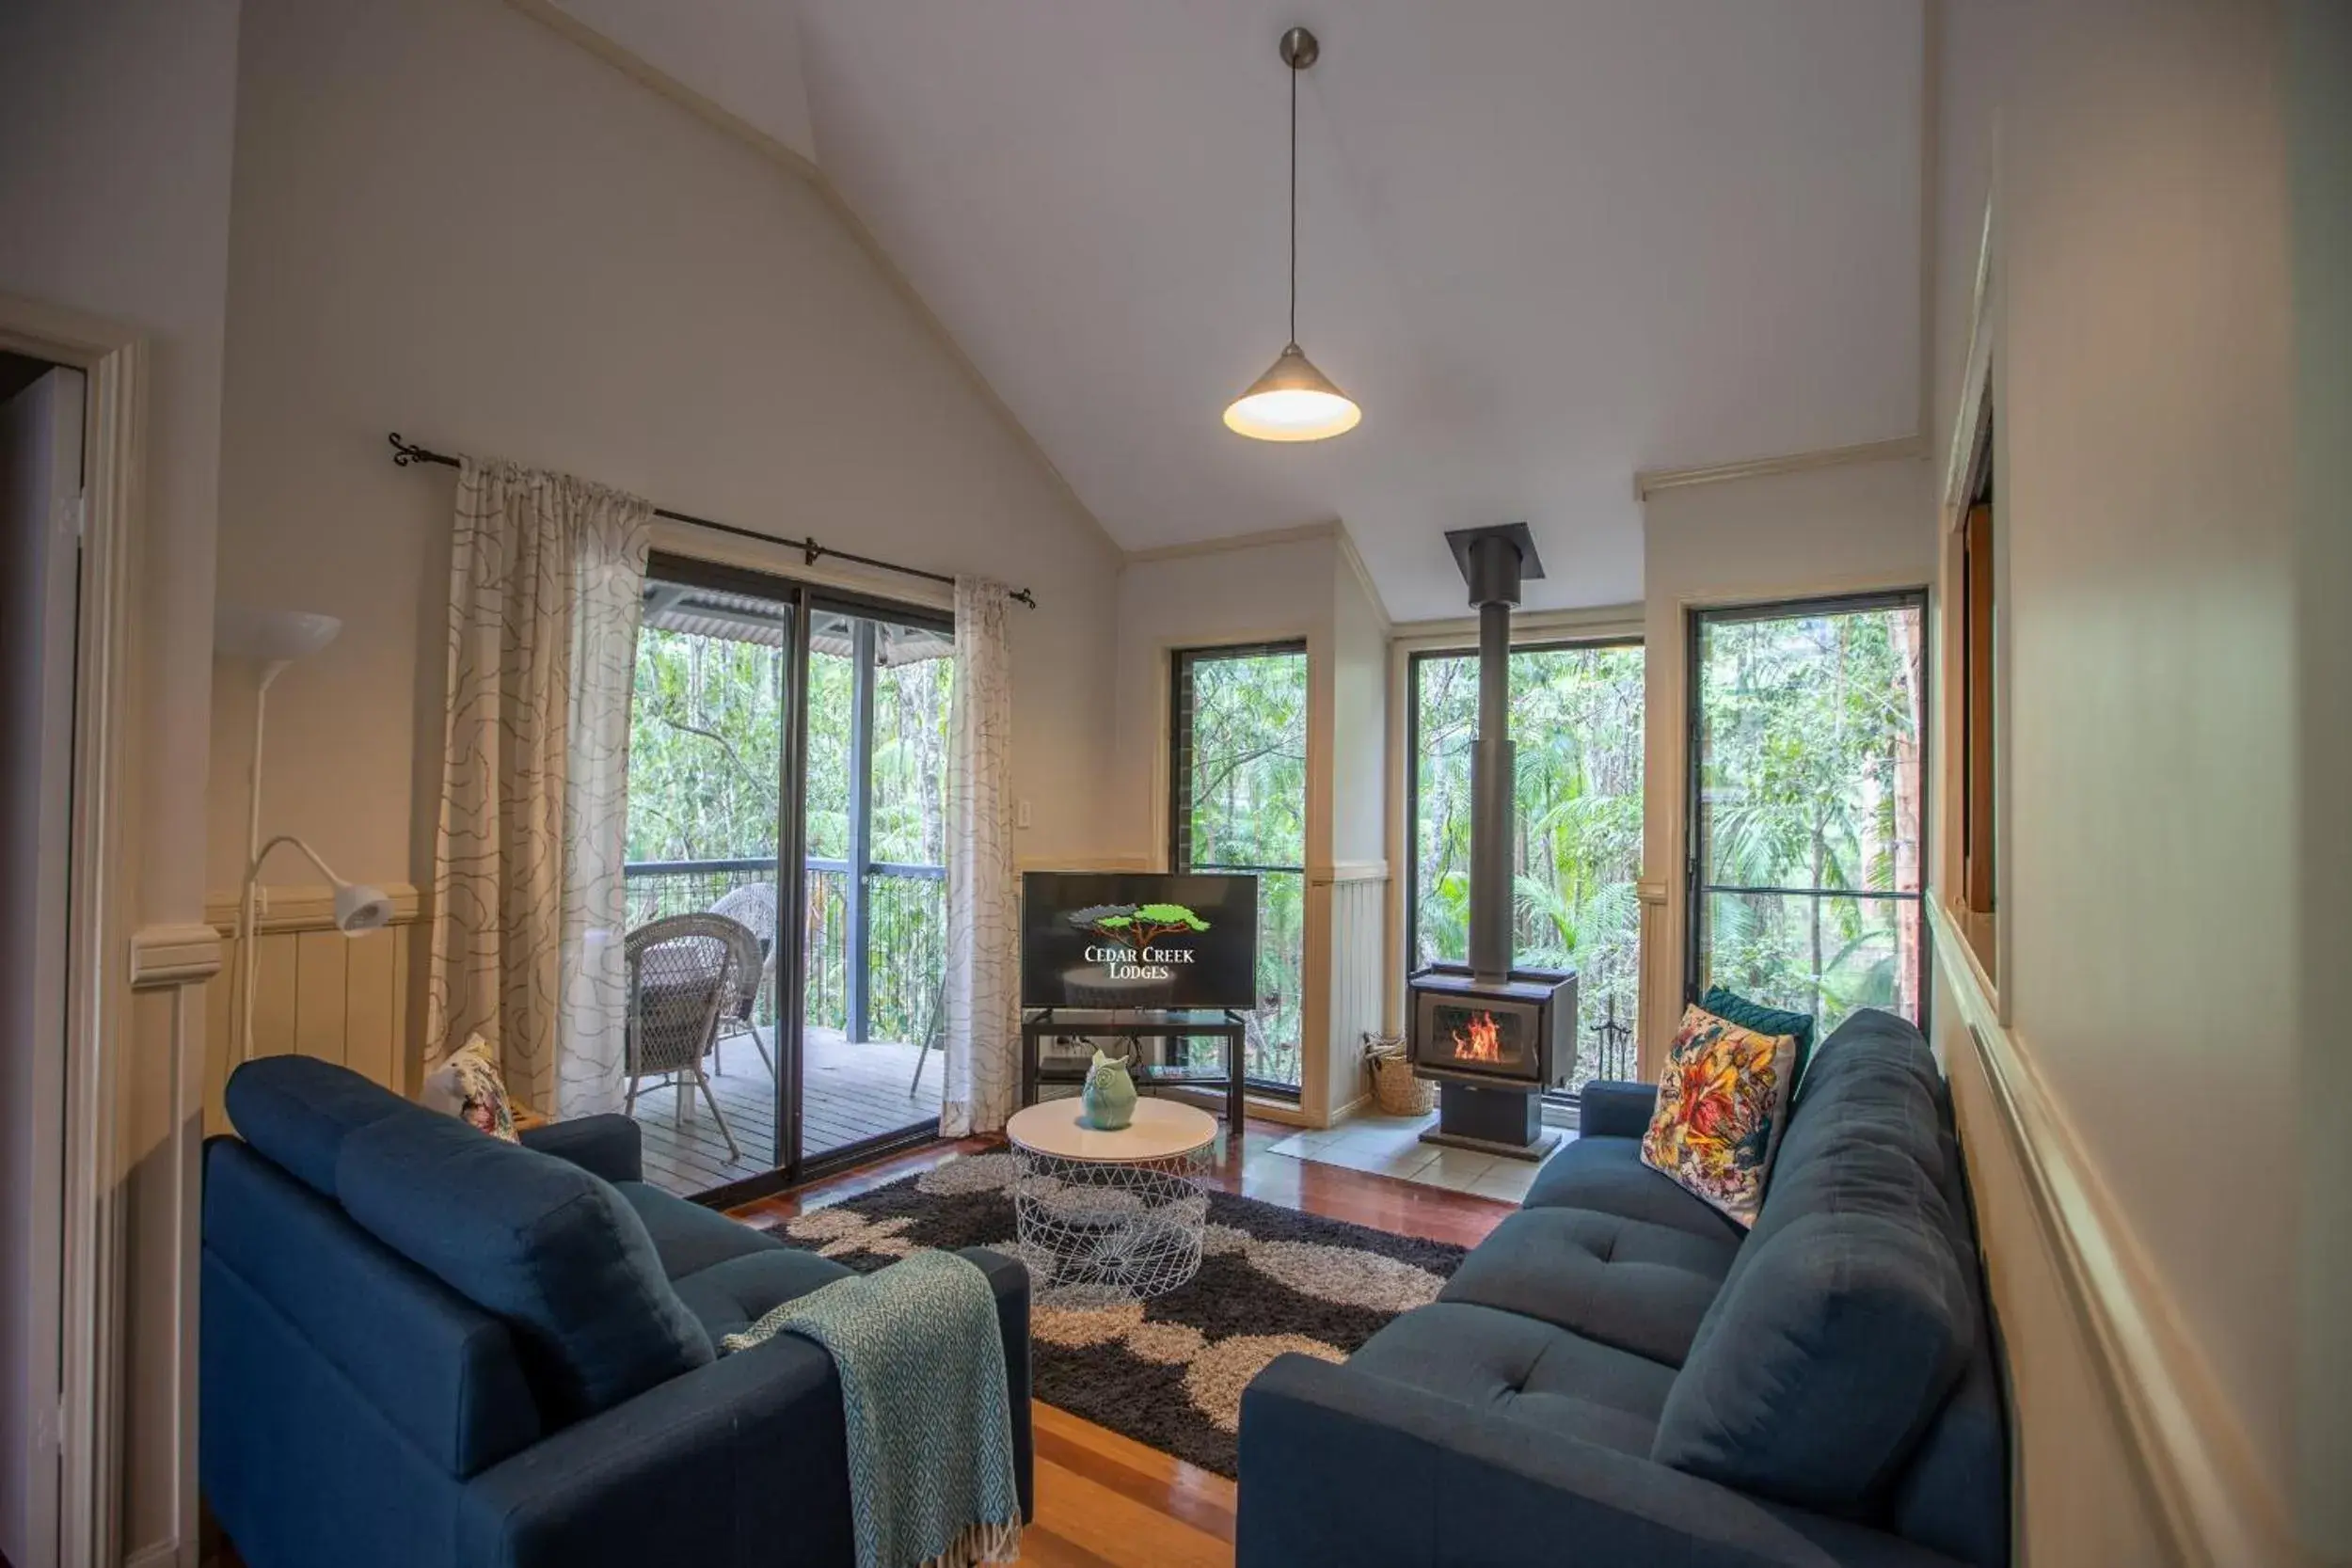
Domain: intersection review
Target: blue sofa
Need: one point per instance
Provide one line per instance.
(422, 1346)
(1619, 1375)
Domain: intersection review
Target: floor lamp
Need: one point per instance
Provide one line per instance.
(271, 640)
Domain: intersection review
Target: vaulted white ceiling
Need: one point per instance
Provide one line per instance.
(1544, 243)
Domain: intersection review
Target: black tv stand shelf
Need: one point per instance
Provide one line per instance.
(1042, 1023)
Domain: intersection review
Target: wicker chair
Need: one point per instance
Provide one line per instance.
(753, 906)
(685, 973)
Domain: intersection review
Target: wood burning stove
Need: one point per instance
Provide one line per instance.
(1520, 1033)
(1493, 1036)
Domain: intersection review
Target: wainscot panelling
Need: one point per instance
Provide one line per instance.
(1358, 975)
(2125, 1452)
(316, 991)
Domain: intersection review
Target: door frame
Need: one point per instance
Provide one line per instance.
(670, 562)
(108, 958)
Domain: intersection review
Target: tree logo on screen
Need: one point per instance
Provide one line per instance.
(1133, 933)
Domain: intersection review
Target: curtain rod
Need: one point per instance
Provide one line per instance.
(406, 453)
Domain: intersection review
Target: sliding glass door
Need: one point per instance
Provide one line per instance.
(875, 812)
(788, 772)
(1807, 795)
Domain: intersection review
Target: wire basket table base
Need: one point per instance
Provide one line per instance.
(1102, 1233)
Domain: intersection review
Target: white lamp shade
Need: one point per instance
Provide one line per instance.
(359, 908)
(271, 636)
(1293, 401)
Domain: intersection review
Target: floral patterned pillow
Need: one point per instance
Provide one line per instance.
(469, 1084)
(1721, 1110)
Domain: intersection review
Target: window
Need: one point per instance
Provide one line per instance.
(1973, 631)
(1238, 802)
(1576, 721)
(1807, 781)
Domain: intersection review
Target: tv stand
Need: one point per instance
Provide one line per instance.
(1039, 1024)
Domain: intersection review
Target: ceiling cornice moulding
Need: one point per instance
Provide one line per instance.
(727, 122)
(1303, 533)
(1649, 482)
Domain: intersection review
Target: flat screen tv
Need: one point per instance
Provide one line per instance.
(1124, 940)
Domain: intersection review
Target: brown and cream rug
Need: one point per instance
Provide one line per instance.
(1168, 1373)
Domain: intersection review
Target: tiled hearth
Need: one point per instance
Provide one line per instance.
(1391, 1146)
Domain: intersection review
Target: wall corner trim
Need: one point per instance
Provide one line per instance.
(185, 953)
(2206, 1494)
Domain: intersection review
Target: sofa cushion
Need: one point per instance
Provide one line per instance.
(729, 1297)
(689, 1237)
(1628, 1283)
(298, 1110)
(1606, 1175)
(1831, 1347)
(1727, 1003)
(537, 1241)
(1529, 1371)
(1721, 1107)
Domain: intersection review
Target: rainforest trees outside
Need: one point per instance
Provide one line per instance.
(1576, 723)
(1242, 776)
(706, 730)
(1809, 778)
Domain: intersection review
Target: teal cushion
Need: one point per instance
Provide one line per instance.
(533, 1240)
(1732, 1007)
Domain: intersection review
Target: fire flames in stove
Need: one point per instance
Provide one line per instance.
(1483, 1042)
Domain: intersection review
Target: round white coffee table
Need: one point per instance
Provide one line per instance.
(1110, 1218)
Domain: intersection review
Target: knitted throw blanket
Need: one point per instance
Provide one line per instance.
(923, 1390)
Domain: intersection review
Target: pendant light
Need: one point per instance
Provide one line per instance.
(1294, 400)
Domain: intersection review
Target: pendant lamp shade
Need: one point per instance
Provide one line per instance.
(1294, 400)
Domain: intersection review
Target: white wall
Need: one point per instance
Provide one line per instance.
(115, 148)
(1265, 592)
(1821, 531)
(452, 222)
(1360, 718)
(1293, 587)
(2168, 723)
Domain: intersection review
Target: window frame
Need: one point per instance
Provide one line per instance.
(1180, 662)
(1409, 925)
(1695, 889)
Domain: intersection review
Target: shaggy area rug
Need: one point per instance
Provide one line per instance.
(1169, 1372)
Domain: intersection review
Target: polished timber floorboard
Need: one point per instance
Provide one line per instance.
(1107, 1501)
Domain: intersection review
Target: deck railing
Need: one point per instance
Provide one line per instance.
(905, 951)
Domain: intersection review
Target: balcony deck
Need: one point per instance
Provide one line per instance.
(852, 1090)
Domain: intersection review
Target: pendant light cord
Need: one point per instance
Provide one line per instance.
(1293, 206)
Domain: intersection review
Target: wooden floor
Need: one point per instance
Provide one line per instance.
(850, 1092)
(1107, 1501)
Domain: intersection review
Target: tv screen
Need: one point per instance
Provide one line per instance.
(1123, 940)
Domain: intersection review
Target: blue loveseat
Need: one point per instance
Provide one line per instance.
(424, 1347)
(1619, 1375)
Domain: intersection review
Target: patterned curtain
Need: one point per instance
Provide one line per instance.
(547, 578)
(983, 1016)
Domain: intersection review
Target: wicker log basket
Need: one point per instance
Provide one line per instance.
(1395, 1089)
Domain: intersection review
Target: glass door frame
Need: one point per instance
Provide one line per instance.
(1695, 887)
(803, 600)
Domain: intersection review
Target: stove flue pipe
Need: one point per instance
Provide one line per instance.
(1493, 566)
